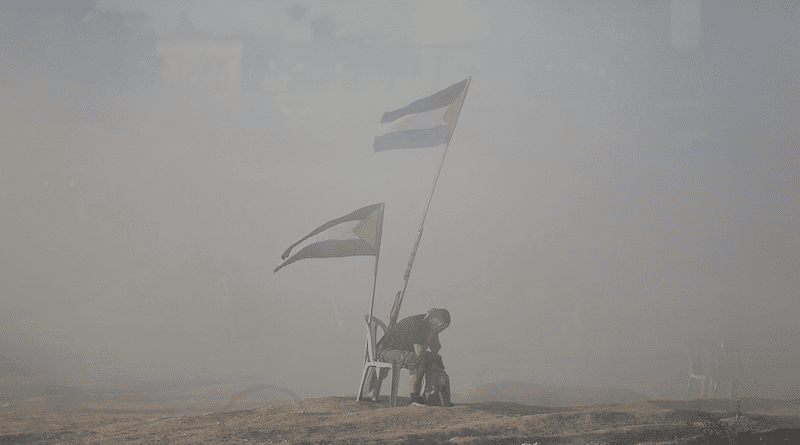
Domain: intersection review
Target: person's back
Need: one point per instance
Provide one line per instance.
(408, 332)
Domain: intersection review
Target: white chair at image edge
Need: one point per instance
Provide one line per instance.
(371, 361)
(702, 365)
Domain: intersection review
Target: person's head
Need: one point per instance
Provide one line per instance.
(439, 319)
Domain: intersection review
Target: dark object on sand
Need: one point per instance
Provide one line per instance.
(437, 385)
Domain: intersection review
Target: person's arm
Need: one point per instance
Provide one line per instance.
(433, 342)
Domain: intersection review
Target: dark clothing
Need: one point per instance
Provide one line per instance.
(416, 364)
(408, 332)
(404, 359)
(437, 387)
(398, 344)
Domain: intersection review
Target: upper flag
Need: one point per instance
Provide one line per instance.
(427, 122)
(358, 233)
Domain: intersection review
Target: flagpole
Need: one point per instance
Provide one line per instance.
(374, 282)
(422, 223)
(377, 256)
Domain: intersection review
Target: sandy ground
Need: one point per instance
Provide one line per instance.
(343, 420)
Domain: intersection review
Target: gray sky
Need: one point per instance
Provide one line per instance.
(623, 176)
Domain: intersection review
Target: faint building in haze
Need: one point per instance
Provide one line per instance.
(207, 65)
(196, 61)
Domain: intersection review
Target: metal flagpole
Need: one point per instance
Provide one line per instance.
(422, 223)
(377, 255)
(371, 306)
(374, 282)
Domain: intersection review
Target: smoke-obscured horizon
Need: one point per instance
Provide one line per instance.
(610, 191)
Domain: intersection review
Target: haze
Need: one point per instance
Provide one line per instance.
(624, 176)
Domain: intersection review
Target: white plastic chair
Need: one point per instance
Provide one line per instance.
(371, 362)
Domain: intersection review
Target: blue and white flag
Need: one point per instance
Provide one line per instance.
(358, 233)
(427, 122)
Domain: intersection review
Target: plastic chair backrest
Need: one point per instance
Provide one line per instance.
(372, 333)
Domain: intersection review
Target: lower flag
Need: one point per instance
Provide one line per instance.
(358, 233)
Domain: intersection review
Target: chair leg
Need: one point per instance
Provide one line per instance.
(395, 384)
(703, 388)
(363, 380)
(376, 391)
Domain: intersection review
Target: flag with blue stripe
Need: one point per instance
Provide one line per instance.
(427, 122)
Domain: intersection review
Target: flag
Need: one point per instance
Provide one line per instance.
(426, 122)
(358, 233)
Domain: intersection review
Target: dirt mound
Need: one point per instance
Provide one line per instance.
(545, 395)
(343, 420)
